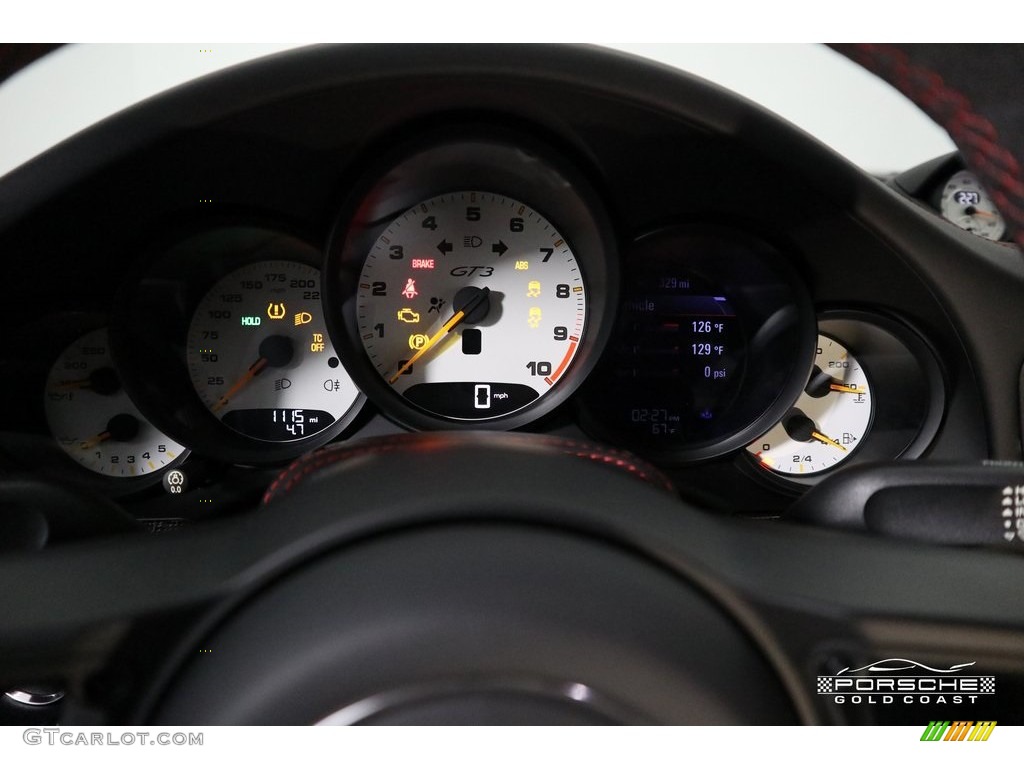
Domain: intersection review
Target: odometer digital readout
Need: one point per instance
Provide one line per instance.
(682, 347)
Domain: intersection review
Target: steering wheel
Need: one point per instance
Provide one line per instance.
(493, 578)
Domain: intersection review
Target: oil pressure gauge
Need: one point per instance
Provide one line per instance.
(829, 421)
(93, 419)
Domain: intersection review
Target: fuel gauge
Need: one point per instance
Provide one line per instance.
(828, 422)
(93, 419)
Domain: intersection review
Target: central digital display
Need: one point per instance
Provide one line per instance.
(714, 340)
(681, 354)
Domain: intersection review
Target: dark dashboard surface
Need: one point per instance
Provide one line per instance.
(483, 239)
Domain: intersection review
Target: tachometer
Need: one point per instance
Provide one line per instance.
(471, 305)
(468, 283)
(260, 358)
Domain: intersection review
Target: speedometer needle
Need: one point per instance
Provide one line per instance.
(475, 301)
(275, 351)
(241, 384)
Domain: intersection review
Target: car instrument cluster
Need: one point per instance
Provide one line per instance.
(474, 279)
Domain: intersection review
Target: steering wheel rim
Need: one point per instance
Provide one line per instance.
(470, 607)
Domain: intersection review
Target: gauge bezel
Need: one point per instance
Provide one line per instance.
(903, 370)
(486, 159)
(762, 280)
(853, 452)
(155, 311)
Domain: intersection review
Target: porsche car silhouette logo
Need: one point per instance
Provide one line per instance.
(904, 681)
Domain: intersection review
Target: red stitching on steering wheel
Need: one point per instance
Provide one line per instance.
(305, 466)
(976, 137)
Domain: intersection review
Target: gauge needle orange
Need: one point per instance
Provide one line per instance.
(845, 388)
(454, 320)
(241, 384)
(95, 441)
(75, 384)
(827, 440)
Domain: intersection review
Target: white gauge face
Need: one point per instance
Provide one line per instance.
(260, 358)
(93, 419)
(828, 422)
(966, 203)
(471, 306)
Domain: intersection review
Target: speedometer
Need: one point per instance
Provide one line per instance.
(260, 358)
(471, 305)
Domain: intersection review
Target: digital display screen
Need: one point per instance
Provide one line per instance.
(680, 350)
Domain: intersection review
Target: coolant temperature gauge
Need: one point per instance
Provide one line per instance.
(829, 421)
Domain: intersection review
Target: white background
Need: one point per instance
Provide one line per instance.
(810, 85)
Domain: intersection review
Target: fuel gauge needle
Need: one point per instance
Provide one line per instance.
(837, 387)
(827, 440)
(799, 426)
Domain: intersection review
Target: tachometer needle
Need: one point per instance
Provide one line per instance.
(474, 302)
(241, 384)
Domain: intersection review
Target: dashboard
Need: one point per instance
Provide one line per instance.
(225, 280)
(282, 278)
